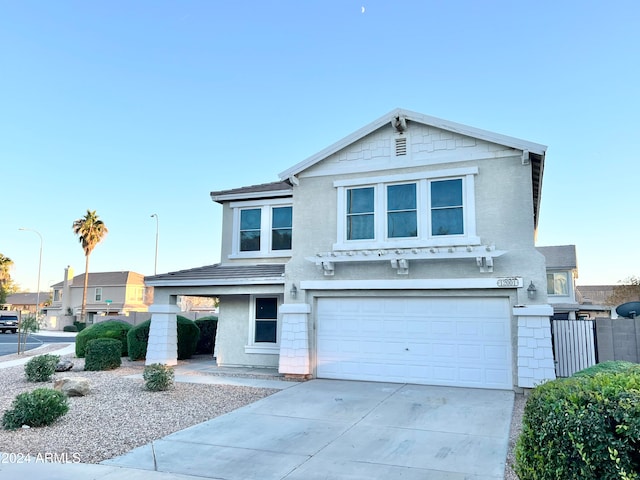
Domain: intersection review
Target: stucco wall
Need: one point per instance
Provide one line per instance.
(233, 334)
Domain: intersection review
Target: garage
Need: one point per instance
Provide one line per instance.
(455, 341)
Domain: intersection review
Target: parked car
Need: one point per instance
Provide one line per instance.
(9, 323)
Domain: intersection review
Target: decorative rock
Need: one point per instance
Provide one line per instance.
(64, 365)
(72, 386)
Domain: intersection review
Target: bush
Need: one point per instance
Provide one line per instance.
(115, 329)
(137, 338)
(103, 354)
(585, 427)
(158, 377)
(616, 366)
(41, 368)
(208, 327)
(80, 325)
(188, 336)
(69, 328)
(42, 406)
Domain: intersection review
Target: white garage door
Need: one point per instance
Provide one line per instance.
(434, 341)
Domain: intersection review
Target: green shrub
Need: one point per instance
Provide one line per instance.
(80, 325)
(69, 328)
(188, 336)
(41, 368)
(614, 366)
(115, 329)
(137, 338)
(584, 427)
(103, 354)
(208, 327)
(158, 377)
(42, 406)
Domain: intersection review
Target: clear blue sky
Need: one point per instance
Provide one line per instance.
(135, 108)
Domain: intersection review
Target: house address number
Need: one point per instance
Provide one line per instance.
(509, 282)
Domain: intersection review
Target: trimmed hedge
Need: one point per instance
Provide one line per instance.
(585, 427)
(103, 354)
(69, 328)
(208, 327)
(115, 329)
(188, 336)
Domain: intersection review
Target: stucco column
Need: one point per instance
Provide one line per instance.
(163, 335)
(535, 352)
(294, 339)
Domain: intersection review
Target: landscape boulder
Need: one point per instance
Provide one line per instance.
(72, 386)
(64, 365)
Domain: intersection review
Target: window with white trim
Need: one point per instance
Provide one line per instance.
(264, 328)
(262, 230)
(407, 210)
(558, 283)
(98, 295)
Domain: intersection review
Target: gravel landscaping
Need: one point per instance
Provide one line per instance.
(118, 415)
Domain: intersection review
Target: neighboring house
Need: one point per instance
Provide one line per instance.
(594, 301)
(562, 273)
(108, 293)
(26, 302)
(401, 253)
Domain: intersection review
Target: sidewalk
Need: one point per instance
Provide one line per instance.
(63, 468)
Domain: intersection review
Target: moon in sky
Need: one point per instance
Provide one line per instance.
(362, 9)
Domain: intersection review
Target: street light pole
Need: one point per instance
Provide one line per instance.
(155, 264)
(39, 271)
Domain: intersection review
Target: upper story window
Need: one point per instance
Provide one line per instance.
(281, 222)
(558, 283)
(446, 207)
(402, 212)
(98, 297)
(135, 294)
(262, 230)
(407, 210)
(57, 295)
(250, 229)
(360, 213)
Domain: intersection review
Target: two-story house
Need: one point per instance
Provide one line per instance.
(402, 253)
(108, 293)
(562, 273)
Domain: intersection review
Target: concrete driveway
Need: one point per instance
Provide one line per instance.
(330, 429)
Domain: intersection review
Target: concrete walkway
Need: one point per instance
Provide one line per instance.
(320, 429)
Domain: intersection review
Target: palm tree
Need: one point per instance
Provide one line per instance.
(90, 230)
(5, 278)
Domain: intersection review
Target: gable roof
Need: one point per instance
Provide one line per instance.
(106, 278)
(534, 151)
(560, 256)
(454, 127)
(219, 274)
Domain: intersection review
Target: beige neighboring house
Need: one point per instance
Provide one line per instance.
(594, 302)
(26, 302)
(562, 273)
(108, 293)
(404, 252)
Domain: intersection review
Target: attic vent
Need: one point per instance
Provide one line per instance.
(401, 146)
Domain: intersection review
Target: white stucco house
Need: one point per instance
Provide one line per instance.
(404, 252)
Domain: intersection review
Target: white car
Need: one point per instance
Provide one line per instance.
(9, 323)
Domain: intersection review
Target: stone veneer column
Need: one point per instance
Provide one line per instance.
(535, 352)
(294, 339)
(163, 335)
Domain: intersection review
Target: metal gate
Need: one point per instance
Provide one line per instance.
(574, 345)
